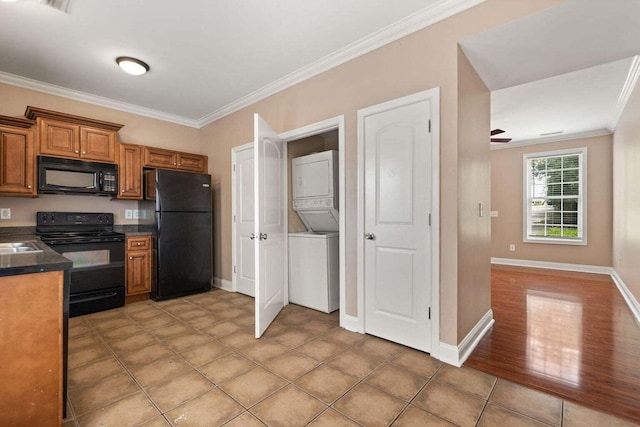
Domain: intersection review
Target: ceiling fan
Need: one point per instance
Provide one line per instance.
(498, 132)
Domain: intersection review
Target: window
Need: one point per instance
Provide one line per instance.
(555, 197)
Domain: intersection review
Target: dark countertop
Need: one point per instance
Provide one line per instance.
(26, 263)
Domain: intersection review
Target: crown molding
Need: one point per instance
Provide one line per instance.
(13, 80)
(625, 93)
(555, 138)
(428, 16)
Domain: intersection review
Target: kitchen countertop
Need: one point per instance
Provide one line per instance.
(26, 263)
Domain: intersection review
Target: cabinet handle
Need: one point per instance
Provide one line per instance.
(139, 243)
(130, 257)
(28, 186)
(77, 151)
(84, 152)
(122, 191)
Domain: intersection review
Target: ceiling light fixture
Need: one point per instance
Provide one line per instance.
(132, 65)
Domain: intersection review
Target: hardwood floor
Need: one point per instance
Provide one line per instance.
(568, 334)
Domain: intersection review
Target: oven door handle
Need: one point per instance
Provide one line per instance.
(95, 297)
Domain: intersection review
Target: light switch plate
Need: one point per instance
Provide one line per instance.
(5, 213)
(128, 214)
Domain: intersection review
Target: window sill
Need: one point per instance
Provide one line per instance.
(552, 241)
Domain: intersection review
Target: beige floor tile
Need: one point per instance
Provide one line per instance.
(252, 386)
(415, 417)
(132, 342)
(321, 349)
(160, 421)
(178, 307)
(134, 307)
(79, 329)
(296, 318)
(103, 316)
(91, 373)
(291, 365)
(370, 406)
(204, 353)
(288, 407)
(579, 416)
(191, 313)
(102, 393)
(262, 350)
(222, 329)
(417, 361)
(78, 321)
(326, 383)
(213, 408)
(160, 371)
(356, 363)
(143, 356)
(186, 341)
(232, 313)
(179, 390)
(239, 339)
(467, 379)
(343, 336)
(164, 332)
(122, 332)
(244, 420)
(397, 381)
(157, 322)
(379, 347)
(245, 320)
(87, 355)
(115, 323)
(146, 314)
(202, 322)
(130, 411)
(450, 403)
(532, 403)
(292, 337)
(317, 326)
(83, 342)
(494, 415)
(226, 368)
(332, 418)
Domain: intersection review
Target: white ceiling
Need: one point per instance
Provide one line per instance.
(563, 69)
(207, 57)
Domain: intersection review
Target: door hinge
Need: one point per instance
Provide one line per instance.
(234, 270)
(429, 311)
(429, 220)
(429, 127)
(234, 167)
(234, 218)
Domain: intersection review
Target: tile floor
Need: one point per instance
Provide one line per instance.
(194, 362)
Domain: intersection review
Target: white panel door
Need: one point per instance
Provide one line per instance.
(245, 223)
(397, 204)
(271, 229)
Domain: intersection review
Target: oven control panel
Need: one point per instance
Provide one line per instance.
(74, 218)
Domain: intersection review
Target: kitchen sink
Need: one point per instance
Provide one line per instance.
(19, 248)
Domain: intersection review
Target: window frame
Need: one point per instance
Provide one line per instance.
(581, 204)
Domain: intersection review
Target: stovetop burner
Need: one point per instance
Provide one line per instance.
(72, 227)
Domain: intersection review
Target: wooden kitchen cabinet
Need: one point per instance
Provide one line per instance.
(66, 135)
(129, 171)
(32, 349)
(168, 159)
(138, 265)
(17, 157)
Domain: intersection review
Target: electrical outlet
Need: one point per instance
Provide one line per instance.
(5, 213)
(494, 214)
(512, 247)
(136, 214)
(128, 214)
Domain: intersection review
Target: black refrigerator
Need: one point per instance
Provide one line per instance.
(177, 209)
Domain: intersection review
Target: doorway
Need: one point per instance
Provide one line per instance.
(328, 134)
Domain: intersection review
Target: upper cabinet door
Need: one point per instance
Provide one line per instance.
(192, 162)
(97, 144)
(130, 172)
(160, 158)
(59, 138)
(17, 172)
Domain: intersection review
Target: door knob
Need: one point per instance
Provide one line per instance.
(263, 236)
(252, 236)
(370, 236)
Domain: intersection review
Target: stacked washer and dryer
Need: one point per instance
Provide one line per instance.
(314, 264)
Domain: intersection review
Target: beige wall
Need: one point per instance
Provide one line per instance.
(507, 198)
(423, 60)
(474, 178)
(137, 130)
(626, 195)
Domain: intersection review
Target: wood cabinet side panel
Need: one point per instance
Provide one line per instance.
(31, 349)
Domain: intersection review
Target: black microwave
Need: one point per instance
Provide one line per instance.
(68, 176)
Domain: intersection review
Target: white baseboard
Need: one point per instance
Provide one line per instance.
(350, 323)
(597, 269)
(223, 284)
(456, 355)
(630, 299)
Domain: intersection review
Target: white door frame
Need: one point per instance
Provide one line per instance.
(434, 96)
(348, 322)
(234, 260)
